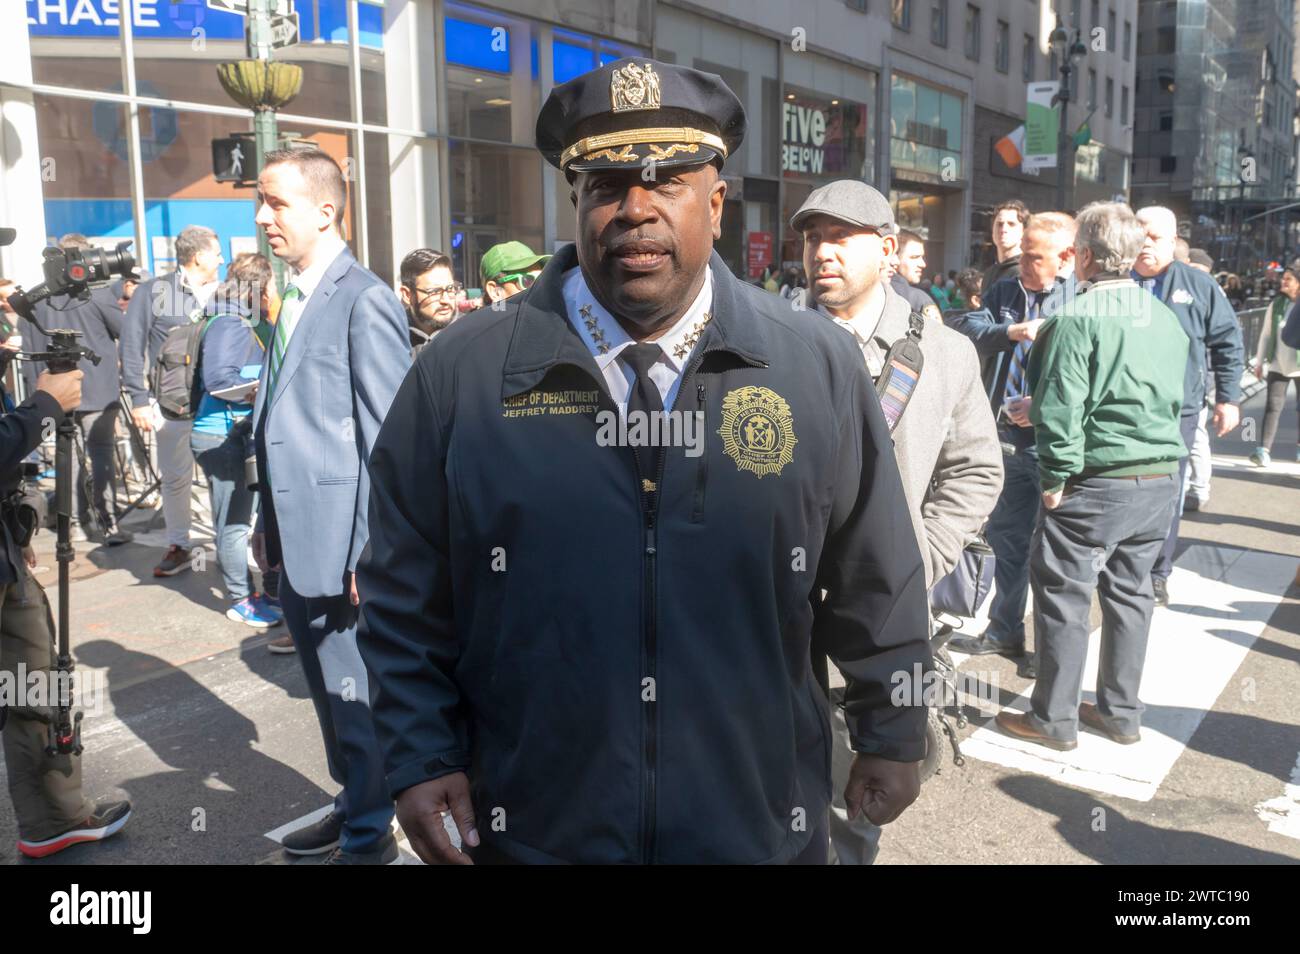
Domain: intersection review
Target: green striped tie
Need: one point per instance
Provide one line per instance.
(283, 329)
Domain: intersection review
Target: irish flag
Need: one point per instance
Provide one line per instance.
(1011, 147)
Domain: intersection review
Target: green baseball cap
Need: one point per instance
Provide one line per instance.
(509, 258)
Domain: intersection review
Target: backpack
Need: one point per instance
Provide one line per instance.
(176, 376)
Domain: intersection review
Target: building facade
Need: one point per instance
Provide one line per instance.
(430, 107)
(1216, 134)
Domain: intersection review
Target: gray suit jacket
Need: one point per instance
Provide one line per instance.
(348, 354)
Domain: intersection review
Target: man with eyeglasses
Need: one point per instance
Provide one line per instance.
(428, 293)
(509, 268)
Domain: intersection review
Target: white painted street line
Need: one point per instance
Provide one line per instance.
(408, 853)
(1280, 464)
(1220, 601)
(288, 828)
(1283, 813)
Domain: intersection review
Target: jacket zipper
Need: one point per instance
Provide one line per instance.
(650, 646)
(702, 475)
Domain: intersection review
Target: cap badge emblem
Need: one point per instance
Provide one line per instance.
(633, 87)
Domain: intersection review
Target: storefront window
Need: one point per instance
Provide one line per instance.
(925, 129)
(826, 133)
(823, 137)
(495, 197)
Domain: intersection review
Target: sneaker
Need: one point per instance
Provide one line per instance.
(249, 611)
(1192, 504)
(384, 853)
(1261, 457)
(269, 604)
(174, 561)
(282, 645)
(105, 821)
(316, 838)
(1160, 587)
(116, 537)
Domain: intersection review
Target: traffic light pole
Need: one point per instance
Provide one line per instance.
(266, 128)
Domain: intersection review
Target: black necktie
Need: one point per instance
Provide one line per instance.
(645, 398)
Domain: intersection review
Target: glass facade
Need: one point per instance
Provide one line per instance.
(827, 132)
(925, 129)
(77, 47)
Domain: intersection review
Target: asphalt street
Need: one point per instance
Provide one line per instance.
(216, 742)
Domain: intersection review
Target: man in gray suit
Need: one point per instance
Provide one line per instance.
(338, 352)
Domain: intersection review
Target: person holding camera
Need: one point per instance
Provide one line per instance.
(230, 360)
(98, 319)
(50, 807)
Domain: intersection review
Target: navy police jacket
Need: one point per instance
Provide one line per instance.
(1210, 322)
(625, 684)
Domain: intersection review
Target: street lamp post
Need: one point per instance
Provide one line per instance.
(1068, 54)
(1243, 153)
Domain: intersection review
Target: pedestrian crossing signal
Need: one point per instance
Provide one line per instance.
(233, 161)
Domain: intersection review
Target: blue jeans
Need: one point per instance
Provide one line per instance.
(233, 506)
(1009, 530)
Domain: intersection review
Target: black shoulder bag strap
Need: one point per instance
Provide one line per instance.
(901, 371)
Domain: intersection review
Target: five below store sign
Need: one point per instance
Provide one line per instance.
(803, 138)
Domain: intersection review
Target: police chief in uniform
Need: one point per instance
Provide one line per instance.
(589, 648)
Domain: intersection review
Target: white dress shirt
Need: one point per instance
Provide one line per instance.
(307, 281)
(606, 339)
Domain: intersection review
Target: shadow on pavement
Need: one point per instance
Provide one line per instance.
(1126, 840)
(216, 797)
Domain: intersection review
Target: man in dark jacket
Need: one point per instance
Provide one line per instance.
(591, 625)
(1007, 231)
(1210, 322)
(156, 308)
(907, 271)
(1004, 332)
(99, 321)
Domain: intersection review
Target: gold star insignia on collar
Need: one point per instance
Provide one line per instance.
(594, 330)
(688, 343)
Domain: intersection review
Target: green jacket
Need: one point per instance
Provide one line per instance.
(1106, 375)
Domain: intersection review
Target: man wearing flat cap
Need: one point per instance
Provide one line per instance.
(945, 442)
(614, 523)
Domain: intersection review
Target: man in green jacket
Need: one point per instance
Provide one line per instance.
(1106, 376)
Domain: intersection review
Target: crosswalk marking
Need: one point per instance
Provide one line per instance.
(1220, 601)
(408, 853)
(1283, 813)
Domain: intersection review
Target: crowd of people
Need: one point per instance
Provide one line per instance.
(405, 519)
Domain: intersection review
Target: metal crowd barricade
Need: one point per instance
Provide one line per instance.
(1252, 327)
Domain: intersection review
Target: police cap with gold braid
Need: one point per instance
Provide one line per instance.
(631, 111)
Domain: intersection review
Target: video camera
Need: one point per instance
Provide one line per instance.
(71, 272)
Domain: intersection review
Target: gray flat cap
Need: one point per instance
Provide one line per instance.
(851, 201)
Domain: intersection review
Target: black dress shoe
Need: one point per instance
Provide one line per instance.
(1028, 668)
(1160, 586)
(983, 645)
(315, 839)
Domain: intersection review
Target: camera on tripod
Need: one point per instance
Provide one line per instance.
(72, 272)
(69, 272)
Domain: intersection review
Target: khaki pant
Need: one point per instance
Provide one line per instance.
(46, 789)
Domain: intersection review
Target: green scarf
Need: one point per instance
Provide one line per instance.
(1277, 314)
